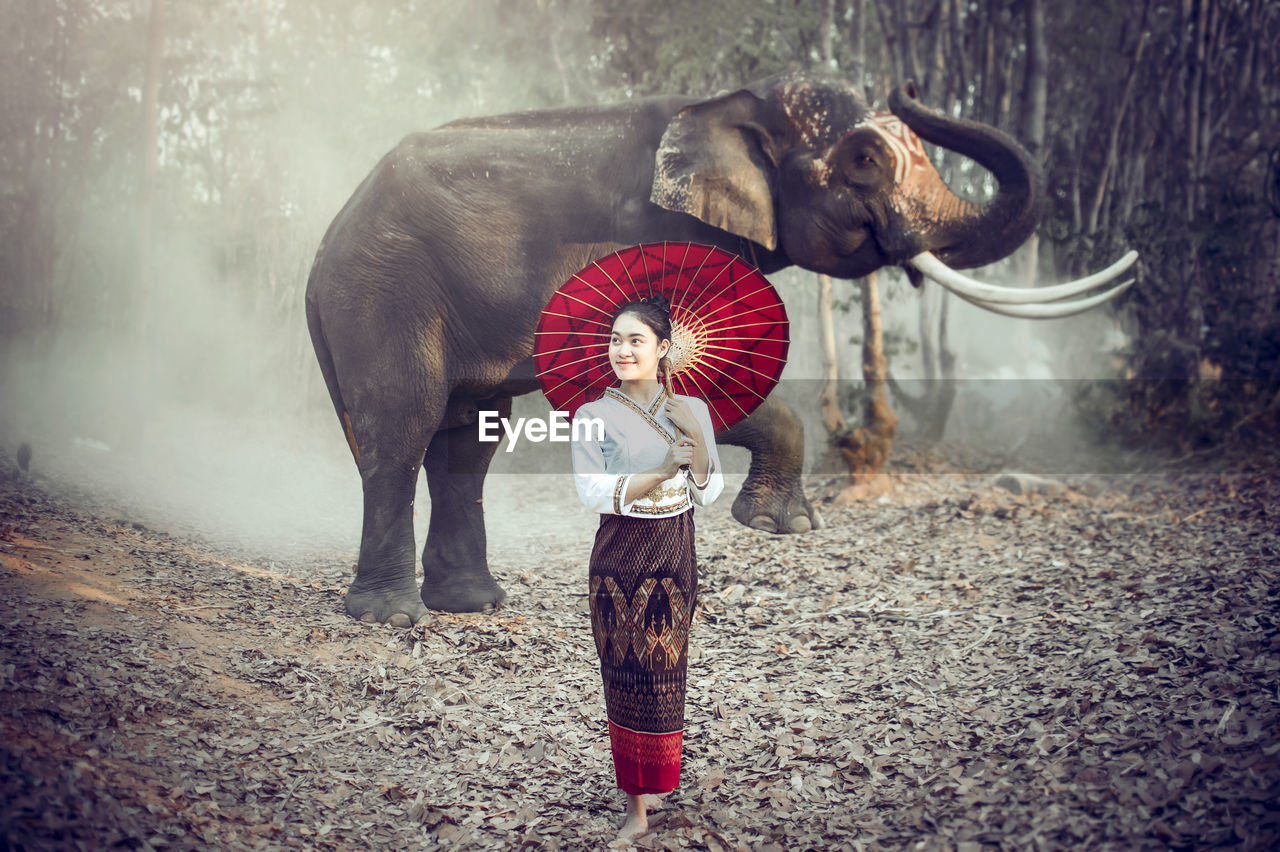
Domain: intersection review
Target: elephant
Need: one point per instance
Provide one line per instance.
(426, 289)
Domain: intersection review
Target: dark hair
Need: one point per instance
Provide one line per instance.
(654, 311)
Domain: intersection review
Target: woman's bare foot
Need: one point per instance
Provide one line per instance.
(637, 820)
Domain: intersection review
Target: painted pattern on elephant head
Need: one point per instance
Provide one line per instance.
(919, 193)
(799, 164)
(815, 110)
(908, 150)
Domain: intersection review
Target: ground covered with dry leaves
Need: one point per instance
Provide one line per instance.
(950, 666)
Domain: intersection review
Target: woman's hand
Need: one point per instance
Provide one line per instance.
(679, 454)
(681, 414)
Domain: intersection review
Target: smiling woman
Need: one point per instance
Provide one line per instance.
(657, 461)
(632, 352)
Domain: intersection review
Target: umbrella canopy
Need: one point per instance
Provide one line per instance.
(728, 327)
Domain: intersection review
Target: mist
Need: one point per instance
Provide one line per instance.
(175, 386)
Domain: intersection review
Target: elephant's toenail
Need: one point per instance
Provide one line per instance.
(368, 617)
(400, 620)
(488, 608)
(800, 524)
(764, 522)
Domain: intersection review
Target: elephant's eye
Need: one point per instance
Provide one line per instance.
(862, 163)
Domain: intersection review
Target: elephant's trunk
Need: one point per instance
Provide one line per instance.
(977, 234)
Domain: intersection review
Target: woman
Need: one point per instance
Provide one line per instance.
(656, 460)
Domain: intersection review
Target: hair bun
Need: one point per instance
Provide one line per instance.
(653, 310)
(659, 301)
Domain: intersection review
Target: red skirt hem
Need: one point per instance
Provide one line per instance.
(645, 763)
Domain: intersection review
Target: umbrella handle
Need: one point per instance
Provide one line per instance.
(664, 367)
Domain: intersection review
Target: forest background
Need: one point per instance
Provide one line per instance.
(168, 167)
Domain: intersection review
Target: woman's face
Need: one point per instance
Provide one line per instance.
(634, 349)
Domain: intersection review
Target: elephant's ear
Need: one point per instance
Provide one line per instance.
(718, 161)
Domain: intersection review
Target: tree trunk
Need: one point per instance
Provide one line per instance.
(945, 396)
(866, 449)
(1194, 88)
(830, 398)
(34, 128)
(931, 408)
(857, 47)
(547, 17)
(906, 46)
(926, 336)
(891, 40)
(143, 283)
(958, 61)
(1113, 137)
(1036, 93)
(1026, 260)
(828, 37)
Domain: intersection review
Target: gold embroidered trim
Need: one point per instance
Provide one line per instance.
(658, 493)
(644, 415)
(617, 495)
(673, 509)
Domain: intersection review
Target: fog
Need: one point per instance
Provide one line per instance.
(193, 404)
(197, 406)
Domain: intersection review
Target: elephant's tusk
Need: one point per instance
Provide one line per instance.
(963, 285)
(1055, 310)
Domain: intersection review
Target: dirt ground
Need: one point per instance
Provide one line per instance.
(948, 666)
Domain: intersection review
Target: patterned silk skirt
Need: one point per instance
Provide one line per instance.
(644, 583)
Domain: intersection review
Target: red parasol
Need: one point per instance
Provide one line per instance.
(728, 327)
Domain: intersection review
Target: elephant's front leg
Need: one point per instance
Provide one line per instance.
(771, 498)
(455, 567)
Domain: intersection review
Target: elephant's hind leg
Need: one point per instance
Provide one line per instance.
(455, 567)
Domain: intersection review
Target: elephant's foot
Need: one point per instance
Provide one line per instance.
(775, 510)
(399, 606)
(460, 591)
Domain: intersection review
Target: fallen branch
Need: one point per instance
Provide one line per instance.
(969, 648)
(1205, 510)
(879, 613)
(320, 738)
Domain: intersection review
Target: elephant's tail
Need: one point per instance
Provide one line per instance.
(327, 369)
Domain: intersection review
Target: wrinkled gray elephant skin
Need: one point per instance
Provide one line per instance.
(426, 290)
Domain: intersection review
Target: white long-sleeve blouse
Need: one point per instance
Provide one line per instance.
(636, 439)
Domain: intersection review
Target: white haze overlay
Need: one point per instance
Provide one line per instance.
(199, 432)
